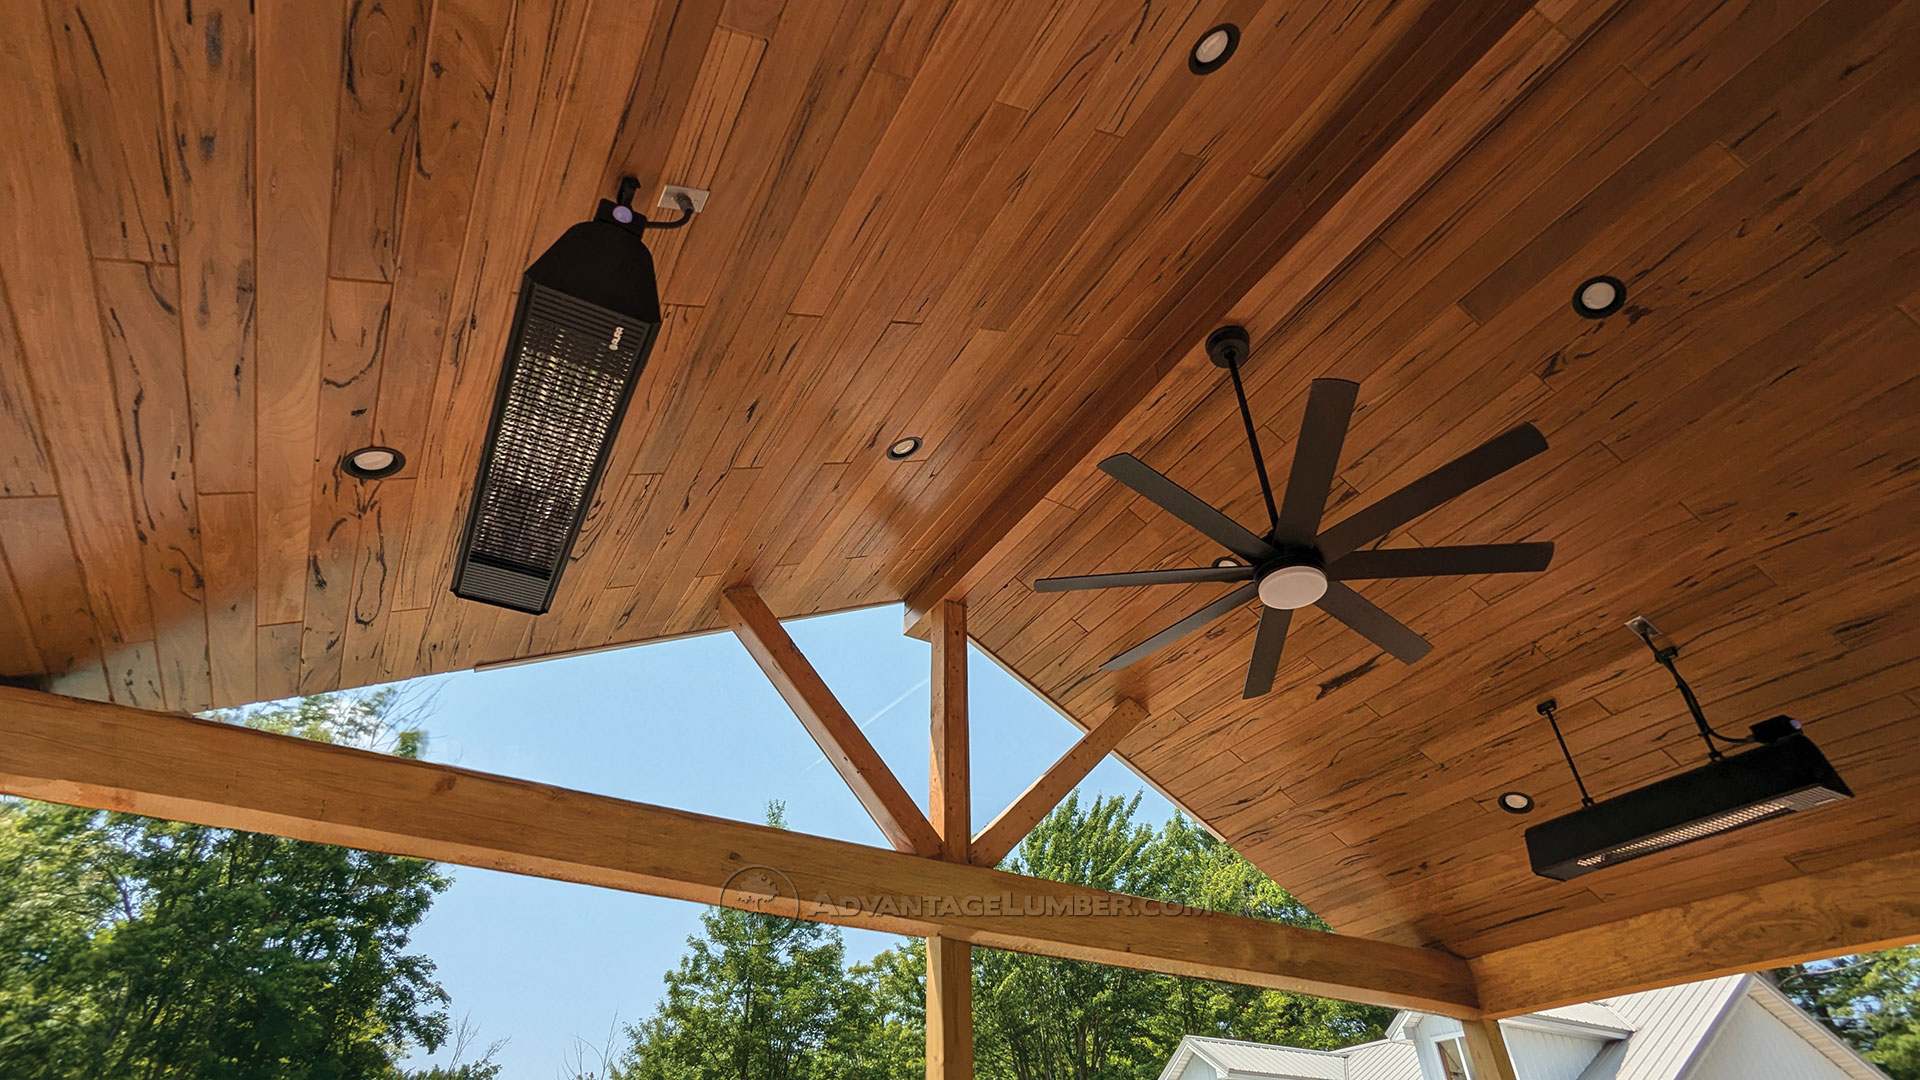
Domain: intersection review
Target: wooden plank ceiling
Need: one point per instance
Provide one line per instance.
(247, 238)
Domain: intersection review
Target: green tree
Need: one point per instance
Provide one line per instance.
(132, 947)
(1036, 1017)
(761, 997)
(1871, 1000)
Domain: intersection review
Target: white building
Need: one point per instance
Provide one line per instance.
(1733, 1028)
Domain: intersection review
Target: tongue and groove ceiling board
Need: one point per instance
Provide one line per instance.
(260, 235)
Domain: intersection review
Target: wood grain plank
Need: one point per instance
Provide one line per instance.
(758, 17)
(206, 68)
(24, 468)
(357, 314)
(46, 577)
(712, 108)
(108, 64)
(678, 43)
(298, 43)
(277, 662)
(383, 521)
(463, 61)
(19, 656)
(382, 67)
(226, 539)
(141, 308)
(50, 290)
(602, 82)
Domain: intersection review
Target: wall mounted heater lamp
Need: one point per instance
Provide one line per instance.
(1783, 776)
(588, 313)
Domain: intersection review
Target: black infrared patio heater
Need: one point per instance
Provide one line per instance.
(588, 312)
(1783, 773)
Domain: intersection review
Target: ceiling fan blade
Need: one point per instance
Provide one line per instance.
(1442, 561)
(1323, 430)
(1188, 507)
(1267, 645)
(1371, 623)
(1456, 477)
(1182, 628)
(1181, 576)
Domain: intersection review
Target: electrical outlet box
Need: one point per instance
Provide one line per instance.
(697, 195)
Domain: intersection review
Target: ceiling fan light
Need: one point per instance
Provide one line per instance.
(1292, 587)
(588, 313)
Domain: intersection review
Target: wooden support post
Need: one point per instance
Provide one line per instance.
(950, 802)
(838, 737)
(949, 1009)
(1487, 1057)
(1017, 820)
(950, 798)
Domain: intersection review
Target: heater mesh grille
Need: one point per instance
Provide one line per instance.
(570, 375)
(1790, 803)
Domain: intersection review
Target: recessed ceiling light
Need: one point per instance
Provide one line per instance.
(373, 462)
(1226, 560)
(1214, 49)
(1599, 297)
(903, 449)
(1516, 802)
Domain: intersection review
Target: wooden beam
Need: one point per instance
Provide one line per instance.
(87, 753)
(1471, 68)
(1860, 907)
(838, 737)
(1018, 819)
(949, 1009)
(950, 794)
(1487, 1056)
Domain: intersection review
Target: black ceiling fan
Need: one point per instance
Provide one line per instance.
(1296, 563)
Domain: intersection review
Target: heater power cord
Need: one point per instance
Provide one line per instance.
(1707, 733)
(686, 215)
(622, 208)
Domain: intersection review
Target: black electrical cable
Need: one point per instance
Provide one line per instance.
(1707, 733)
(686, 215)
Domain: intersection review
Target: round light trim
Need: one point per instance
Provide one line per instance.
(902, 449)
(1214, 49)
(373, 462)
(1516, 802)
(1225, 561)
(1292, 587)
(1599, 297)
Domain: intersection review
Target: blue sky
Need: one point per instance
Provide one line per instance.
(690, 724)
